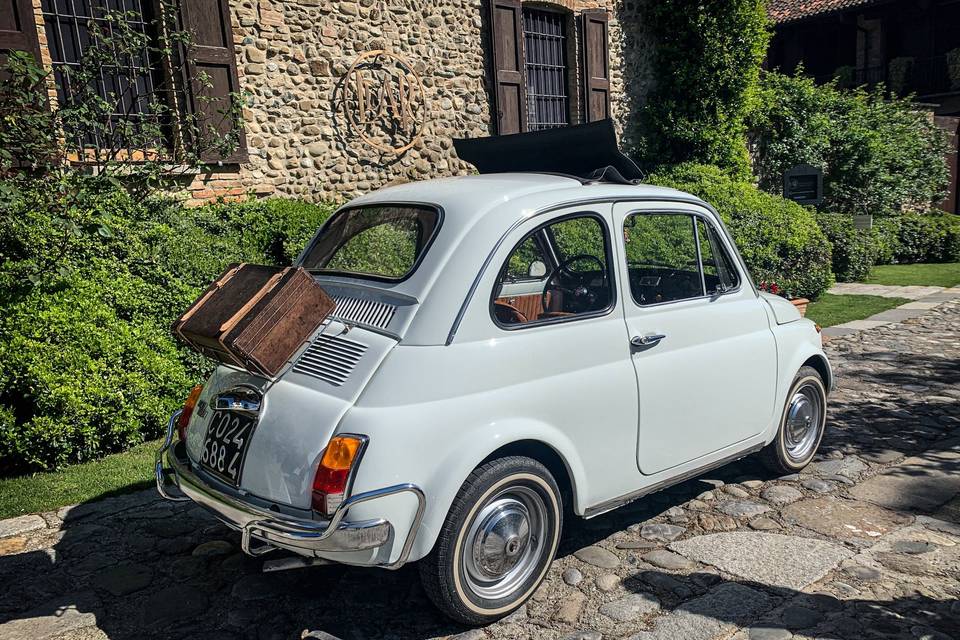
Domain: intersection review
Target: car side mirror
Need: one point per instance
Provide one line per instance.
(537, 269)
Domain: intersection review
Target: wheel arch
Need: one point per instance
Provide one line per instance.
(545, 455)
(819, 362)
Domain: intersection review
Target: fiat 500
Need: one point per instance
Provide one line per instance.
(506, 349)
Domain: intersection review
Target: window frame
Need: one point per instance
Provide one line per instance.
(611, 274)
(723, 240)
(54, 22)
(368, 276)
(569, 70)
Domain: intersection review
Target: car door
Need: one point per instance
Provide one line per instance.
(702, 348)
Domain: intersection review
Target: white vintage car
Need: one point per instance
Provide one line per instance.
(520, 347)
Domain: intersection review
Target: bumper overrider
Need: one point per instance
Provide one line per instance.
(263, 531)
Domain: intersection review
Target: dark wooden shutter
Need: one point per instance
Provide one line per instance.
(18, 28)
(596, 66)
(510, 96)
(210, 52)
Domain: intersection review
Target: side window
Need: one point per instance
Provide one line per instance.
(719, 274)
(576, 278)
(662, 257)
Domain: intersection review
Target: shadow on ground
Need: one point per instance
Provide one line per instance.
(139, 567)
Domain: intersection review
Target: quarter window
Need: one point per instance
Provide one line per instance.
(719, 274)
(560, 270)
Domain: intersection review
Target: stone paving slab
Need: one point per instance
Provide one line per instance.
(768, 558)
(874, 522)
(884, 291)
(918, 484)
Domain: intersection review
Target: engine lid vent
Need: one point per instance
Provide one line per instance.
(331, 359)
(368, 312)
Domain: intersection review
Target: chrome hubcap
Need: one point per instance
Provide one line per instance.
(804, 420)
(504, 542)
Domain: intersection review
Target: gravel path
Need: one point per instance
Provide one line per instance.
(864, 544)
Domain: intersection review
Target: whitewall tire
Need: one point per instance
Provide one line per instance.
(497, 542)
(802, 424)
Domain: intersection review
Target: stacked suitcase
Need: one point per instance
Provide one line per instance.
(255, 317)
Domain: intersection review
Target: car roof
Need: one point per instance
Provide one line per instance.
(476, 195)
(478, 210)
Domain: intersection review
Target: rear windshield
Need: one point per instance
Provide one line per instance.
(380, 242)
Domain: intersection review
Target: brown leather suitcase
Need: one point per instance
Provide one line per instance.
(255, 317)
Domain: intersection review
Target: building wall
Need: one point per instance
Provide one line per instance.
(292, 56)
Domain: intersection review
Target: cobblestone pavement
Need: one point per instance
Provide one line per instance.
(865, 543)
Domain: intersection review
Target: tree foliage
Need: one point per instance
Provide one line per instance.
(880, 155)
(707, 62)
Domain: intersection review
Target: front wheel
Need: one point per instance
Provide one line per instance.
(801, 425)
(497, 542)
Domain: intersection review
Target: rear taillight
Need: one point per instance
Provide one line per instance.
(333, 474)
(187, 411)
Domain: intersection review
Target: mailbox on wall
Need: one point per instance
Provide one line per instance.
(803, 184)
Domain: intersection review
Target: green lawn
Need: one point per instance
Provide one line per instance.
(114, 474)
(833, 309)
(935, 275)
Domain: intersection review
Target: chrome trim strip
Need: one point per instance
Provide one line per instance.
(610, 505)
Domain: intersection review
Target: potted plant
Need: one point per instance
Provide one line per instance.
(774, 288)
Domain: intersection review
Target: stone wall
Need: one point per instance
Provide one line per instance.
(291, 59)
(292, 56)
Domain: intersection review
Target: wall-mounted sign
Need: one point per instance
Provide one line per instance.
(384, 101)
(803, 184)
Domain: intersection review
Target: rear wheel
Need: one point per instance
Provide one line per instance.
(497, 541)
(801, 425)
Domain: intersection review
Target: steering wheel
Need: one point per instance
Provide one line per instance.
(574, 284)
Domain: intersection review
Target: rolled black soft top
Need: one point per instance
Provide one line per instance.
(588, 152)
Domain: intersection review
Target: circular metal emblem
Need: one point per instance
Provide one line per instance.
(384, 101)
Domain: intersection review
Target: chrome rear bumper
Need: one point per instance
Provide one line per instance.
(273, 530)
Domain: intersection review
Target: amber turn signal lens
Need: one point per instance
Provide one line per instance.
(340, 453)
(188, 408)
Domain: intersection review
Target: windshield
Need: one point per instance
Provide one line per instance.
(380, 242)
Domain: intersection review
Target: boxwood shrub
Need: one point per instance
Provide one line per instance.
(87, 362)
(911, 238)
(779, 240)
(854, 251)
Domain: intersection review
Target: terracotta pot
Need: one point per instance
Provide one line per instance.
(801, 305)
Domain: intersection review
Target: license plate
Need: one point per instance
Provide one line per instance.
(226, 443)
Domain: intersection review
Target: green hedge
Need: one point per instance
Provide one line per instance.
(87, 362)
(912, 238)
(779, 240)
(854, 251)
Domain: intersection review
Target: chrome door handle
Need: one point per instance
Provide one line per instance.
(647, 340)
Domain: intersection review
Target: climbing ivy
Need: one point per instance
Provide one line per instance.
(707, 65)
